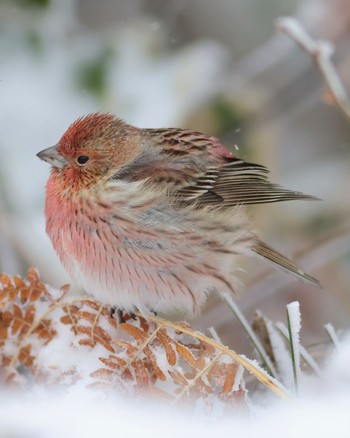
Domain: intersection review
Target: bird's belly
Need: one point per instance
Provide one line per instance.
(147, 278)
(151, 261)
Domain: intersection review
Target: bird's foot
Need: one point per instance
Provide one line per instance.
(121, 319)
(133, 315)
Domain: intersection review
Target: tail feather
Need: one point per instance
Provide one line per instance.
(283, 262)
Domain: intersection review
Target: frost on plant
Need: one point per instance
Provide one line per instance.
(50, 339)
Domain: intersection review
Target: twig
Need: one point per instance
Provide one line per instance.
(321, 52)
(251, 335)
(140, 349)
(96, 321)
(258, 372)
(253, 368)
(197, 377)
(214, 334)
(332, 335)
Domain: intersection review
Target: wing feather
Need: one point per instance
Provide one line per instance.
(283, 262)
(238, 182)
(196, 168)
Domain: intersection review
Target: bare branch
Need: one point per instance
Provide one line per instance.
(321, 52)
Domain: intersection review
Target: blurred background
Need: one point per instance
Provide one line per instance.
(215, 66)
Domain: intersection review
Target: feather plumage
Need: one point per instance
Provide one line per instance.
(154, 219)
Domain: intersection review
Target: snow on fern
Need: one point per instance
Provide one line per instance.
(51, 338)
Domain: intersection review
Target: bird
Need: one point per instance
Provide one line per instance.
(155, 220)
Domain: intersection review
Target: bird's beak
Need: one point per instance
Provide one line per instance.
(53, 157)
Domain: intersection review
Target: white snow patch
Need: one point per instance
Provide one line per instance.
(322, 411)
(294, 320)
(281, 354)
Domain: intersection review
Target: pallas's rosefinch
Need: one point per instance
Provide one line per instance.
(153, 219)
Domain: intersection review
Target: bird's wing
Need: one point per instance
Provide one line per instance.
(198, 168)
(237, 182)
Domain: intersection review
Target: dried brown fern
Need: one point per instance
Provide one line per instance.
(50, 338)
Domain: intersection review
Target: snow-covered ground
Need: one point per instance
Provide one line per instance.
(322, 410)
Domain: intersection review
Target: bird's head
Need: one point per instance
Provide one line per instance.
(93, 148)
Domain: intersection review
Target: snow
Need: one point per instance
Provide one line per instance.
(323, 411)
(281, 355)
(294, 325)
(303, 352)
(238, 378)
(256, 365)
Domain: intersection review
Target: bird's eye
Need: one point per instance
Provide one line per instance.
(82, 159)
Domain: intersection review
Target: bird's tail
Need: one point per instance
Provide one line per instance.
(283, 262)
